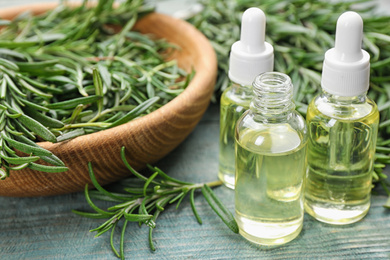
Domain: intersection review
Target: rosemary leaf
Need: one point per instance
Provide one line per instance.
(226, 216)
(67, 73)
(387, 205)
(141, 203)
(192, 200)
(97, 185)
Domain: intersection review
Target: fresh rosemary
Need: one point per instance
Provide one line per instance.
(301, 31)
(69, 72)
(144, 198)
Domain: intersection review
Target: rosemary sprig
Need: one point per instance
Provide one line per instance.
(144, 199)
(69, 72)
(301, 31)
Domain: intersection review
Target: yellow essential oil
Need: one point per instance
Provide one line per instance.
(269, 186)
(234, 102)
(249, 57)
(342, 138)
(270, 164)
(343, 127)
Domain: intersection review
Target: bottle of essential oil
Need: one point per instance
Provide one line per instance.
(248, 58)
(271, 141)
(343, 126)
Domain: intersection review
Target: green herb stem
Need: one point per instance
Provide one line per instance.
(68, 72)
(149, 196)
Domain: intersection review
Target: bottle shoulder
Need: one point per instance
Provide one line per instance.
(323, 107)
(237, 94)
(251, 119)
(271, 138)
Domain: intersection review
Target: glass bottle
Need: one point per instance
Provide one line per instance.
(235, 101)
(249, 57)
(271, 163)
(343, 126)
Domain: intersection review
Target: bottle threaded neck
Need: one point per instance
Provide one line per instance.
(273, 93)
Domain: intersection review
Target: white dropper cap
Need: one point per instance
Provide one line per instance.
(251, 55)
(346, 70)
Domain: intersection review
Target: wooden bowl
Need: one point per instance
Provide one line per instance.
(147, 139)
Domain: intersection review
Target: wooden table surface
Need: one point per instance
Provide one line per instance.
(45, 227)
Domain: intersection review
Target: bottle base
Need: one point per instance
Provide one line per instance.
(341, 215)
(269, 234)
(227, 179)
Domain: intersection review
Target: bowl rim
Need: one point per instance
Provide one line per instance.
(198, 92)
(40, 8)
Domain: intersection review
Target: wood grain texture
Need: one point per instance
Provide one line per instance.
(146, 139)
(44, 228)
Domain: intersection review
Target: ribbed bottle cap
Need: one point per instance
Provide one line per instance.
(251, 55)
(346, 69)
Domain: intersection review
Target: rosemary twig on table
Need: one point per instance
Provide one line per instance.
(301, 32)
(68, 73)
(144, 199)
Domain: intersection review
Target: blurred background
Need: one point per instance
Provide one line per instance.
(177, 8)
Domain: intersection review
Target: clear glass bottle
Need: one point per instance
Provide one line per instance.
(271, 141)
(342, 138)
(249, 57)
(343, 126)
(235, 101)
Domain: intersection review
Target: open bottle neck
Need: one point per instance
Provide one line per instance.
(273, 94)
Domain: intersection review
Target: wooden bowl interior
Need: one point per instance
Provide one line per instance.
(147, 139)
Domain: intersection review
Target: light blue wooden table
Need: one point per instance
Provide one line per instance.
(45, 228)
